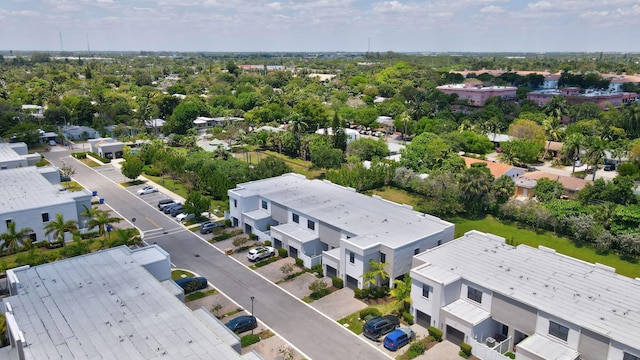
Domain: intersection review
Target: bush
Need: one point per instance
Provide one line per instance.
(79, 155)
(282, 252)
(378, 292)
(369, 312)
(415, 349)
(227, 223)
(253, 236)
(408, 318)
(320, 293)
(510, 355)
(249, 340)
(317, 269)
(223, 236)
(267, 243)
(465, 349)
(103, 159)
(299, 262)
(239, 241)
(151, 171)
(436, 333)
(360, 293)
(337, 282)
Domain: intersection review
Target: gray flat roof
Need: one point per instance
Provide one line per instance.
(7, 153)
(25, 188)
(105, 305)
(371, 220)
(591, 296)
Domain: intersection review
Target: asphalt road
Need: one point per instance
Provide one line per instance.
(317, 336)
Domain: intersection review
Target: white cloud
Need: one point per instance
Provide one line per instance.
(492, 9)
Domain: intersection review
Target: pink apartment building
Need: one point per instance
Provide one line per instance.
(573, 96)
(477, 94)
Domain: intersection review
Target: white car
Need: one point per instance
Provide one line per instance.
(184, 217)
(147, 190)
(260, 252)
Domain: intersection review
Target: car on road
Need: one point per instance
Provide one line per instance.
(165, 202)
(380, 325)
(167, 209)
(184, 217)
(260, 252)
(398, 338)
(242, 323)
(209, 226)
(147, 190)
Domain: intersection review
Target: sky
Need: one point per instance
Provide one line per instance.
(321, 25)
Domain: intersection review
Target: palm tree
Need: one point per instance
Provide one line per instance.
(595, 147)
(402, 292)
(552, 127)
(102, 219)
(376, 271)
(127, 236)
(632, 120)
(59, 227)
(571, 148)
(12, 239)
(556, 107)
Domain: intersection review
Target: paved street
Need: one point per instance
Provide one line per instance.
(300, 324)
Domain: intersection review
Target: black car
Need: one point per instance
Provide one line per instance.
(209, 226)
(176, 210)
(609, 167)
(165, 202)
(242, 323)
(380, 325)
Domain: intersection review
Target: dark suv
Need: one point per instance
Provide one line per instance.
(379, 326)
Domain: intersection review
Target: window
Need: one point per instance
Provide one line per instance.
(352, 257)
(426, 289)
(628, 356)
(7, 222)
(439, 242)
(383, 258)
(311, 224)
(559, 331)
(235, 203)
(296, 218)
(45, 217)
(264, 204)
(474, 294)
(416, 251)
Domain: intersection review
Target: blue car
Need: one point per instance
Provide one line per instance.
(398, 338)
(242, 323)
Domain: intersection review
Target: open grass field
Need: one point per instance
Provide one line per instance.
(297, 165)
(396, 195)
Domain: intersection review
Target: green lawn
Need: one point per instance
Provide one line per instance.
(177, 274)
(396, 195)
(297, 165)
(545, 238)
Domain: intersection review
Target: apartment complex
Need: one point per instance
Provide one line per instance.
(534, 302)
(476, 94)
(324, 223)
(575, 96)
(111, 304)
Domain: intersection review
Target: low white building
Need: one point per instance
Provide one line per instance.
(111, 304)
(204, 123)
(31, 197)
(321, 222)
(350, 133)
(15, 155)
(74, 132)
(534, 302)
(107, 147)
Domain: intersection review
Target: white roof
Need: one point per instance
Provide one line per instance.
(464, 310)
(106, 305)
(8, 154)
(26, 188)
(370, 220)
(546, 348)
(591, 296)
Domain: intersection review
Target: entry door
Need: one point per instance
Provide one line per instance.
(454, 335)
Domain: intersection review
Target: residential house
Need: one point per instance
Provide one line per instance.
(34, 110)
(111, 304)
(31, 197)
(534, 302)
(204, 123)
(350, 133)
(324, 223)
(526, 182)
(107, 148)
(74, 132)
(497, 169)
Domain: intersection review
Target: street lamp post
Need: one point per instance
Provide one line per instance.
(252, 298)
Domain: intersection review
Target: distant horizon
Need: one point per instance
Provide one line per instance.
(402, 26)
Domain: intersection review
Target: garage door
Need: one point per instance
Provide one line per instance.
(352, 283)
(423, 319)
(293, 252)
(331, 271)
(454, 335)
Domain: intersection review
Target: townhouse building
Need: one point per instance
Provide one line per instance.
(575, 96)
(534, 302)
(324, 223)
(477, 94)
(15, 155)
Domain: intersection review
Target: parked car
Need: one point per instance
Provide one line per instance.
(260, 252)
(147, 190)
(209, 226)
(165, 202)
(242, 323)
(52, 143)
(192, 284)
(398, 338)
(380, 325)
(167, 209)
(184, 217)
(609, 167)
(176, 210)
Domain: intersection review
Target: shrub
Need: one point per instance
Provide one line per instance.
(416, 349)
(369, 312)
(249, 340)
(223, 236)
(103, 159)
(337, 282)
(239, 241)
(465, 349)
(151, 171)
(267, 243)
(360, 293)
(227, 223)
(299, 262)
(377, 292)
(408, 318)
(282, 252)
(317, 285)
(320, 293)
(435, 332)
(79, 155)
(510, 355)
(317, 269)
(253, 236)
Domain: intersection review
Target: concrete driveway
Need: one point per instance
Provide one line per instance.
(339, 304)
